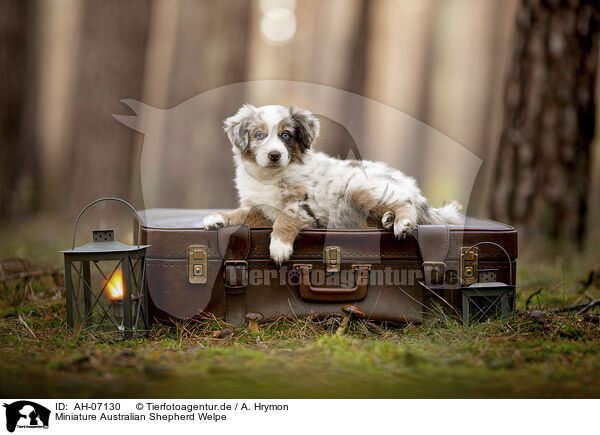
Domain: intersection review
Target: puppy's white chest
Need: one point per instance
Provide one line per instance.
(255, 193)
(261, 194)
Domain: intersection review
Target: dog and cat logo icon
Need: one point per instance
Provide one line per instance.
(25, 414)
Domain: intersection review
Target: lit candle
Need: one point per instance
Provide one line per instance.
(115, 292)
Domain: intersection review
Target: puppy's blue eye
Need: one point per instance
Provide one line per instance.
(285, 135)
(259, 135)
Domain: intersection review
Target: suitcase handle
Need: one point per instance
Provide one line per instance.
(334, 294)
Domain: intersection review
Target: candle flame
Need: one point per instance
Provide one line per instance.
(114, 288)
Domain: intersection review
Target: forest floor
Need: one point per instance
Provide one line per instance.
(519, 356)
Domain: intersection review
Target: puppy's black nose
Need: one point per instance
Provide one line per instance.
(274, 156)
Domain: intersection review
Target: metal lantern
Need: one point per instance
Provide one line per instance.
(488, 299)
(105, 282)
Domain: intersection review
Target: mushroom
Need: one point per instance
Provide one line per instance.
(349, 311)
(253, 319)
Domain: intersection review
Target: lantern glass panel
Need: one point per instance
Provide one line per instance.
(488, 303)
(108, 295)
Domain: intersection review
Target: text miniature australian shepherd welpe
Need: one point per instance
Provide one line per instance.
(283, 183)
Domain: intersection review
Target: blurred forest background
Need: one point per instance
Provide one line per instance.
(494, 75)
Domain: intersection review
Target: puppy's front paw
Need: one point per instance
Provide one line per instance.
(215, 220)
(280, 251)
(387, 220)
(402, 227)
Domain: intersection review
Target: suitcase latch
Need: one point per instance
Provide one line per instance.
(197, 264)
(469, 265)
(333, 259)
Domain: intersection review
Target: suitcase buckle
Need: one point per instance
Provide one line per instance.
(235, 276)
(333, 259)
(469, 265)
(197, 264)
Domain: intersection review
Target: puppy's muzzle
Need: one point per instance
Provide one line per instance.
(274, 156)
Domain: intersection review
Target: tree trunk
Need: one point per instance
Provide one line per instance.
(110, 67)
(19, 180)
(338, 140)
(542, 172)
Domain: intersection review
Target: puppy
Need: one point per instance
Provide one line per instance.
(283, 183)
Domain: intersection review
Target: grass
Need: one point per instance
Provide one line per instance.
(515, 357)
(519, 356)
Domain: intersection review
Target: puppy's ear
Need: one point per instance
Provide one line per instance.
(236, 126)
(307, 126)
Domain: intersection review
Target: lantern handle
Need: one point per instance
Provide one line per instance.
(109, 198)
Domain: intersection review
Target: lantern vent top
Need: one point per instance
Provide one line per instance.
(103, 235)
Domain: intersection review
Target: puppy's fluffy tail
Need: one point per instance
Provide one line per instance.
(449, 214)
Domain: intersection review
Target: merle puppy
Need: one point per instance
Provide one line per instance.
(282, 182)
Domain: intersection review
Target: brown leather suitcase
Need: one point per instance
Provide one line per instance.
(228, 272)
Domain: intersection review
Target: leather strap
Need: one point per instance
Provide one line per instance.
(234, 246)
(434, 243)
